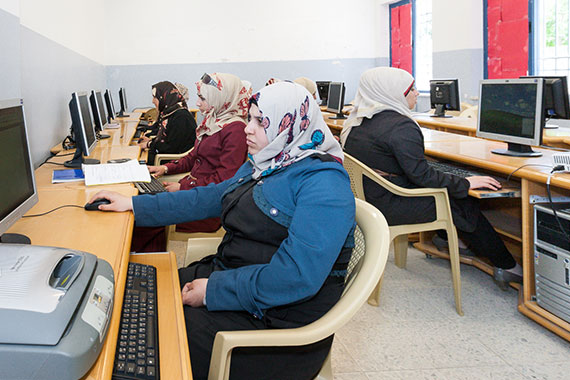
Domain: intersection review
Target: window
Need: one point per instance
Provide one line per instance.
(423, 44)
(552, 53)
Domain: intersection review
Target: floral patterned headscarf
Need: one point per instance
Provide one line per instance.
(227, 96)
(294, 127)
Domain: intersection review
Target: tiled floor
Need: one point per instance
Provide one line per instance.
(415, 333)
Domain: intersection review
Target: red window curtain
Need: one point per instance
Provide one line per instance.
(401, 36)
(507, 38)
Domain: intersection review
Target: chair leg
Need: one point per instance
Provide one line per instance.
(374, 299)
(326, 370)
(455, 268)
(401, 250)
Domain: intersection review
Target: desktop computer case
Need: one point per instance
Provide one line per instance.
(551, 266)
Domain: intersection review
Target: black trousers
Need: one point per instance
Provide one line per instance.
(295, 363)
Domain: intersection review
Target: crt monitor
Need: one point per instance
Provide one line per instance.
(444, 95)
(82, 130)
(18, 190)
(335, 101)
(98, 113)
(555, 97)
(323, 90)
(110, 105)
(511, 110)
(123, 101)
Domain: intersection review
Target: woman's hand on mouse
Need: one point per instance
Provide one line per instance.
(483, 182)
(118, 203)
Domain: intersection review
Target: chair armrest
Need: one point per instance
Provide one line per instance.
(172, 177)
(201, 247)
(169, 156)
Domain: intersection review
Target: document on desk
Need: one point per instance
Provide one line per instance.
(104, 174)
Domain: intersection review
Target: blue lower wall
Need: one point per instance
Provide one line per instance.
(138, 79)
(467, 65)
(10, 53)
(49, 74)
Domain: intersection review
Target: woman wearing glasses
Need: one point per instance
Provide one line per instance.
(219, 151)
(289, 238)
(381, 133)
(176, 126)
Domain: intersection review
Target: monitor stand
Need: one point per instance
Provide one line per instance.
(339, 116)
(440, 111)
(517, 150)
(78, 160)
(14, 239)
(101, 136)
(122, 114)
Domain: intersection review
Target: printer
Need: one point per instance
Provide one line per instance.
(55, 306)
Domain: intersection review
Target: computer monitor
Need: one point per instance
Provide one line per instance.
(335, 101)
(444, 95)
(323, 89)
(511, 110)
(555, 97)
(123, 101)
(18, 190)
(82, 129)
(110, 105)
(98, 113)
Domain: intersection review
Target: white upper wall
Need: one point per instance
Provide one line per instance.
(457, 25)
(11, 6)
(189, 31)
(75, 24)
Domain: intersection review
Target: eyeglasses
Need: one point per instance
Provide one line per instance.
(207, 79)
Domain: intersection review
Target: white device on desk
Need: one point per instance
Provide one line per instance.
(55, 305)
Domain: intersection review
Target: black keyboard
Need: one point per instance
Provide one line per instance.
(452, 169)
(152, 187)
(136, 356)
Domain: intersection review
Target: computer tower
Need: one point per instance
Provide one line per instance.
(552, 259)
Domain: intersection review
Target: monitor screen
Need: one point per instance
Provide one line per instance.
(511, 110)
(101, 108)
(97, 111)
(323, 89)
(83, 130)
(110, 105)
(444, 95)
(16, 165)
(335, 100)
(556, 104)
(123, 99)
(87, 123)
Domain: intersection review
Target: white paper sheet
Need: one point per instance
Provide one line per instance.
(104, 174)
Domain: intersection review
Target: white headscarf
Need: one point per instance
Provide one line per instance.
(380, 89)
(308, 84)
(294, 127)
(227, 97)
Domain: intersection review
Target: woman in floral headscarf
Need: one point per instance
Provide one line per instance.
(219, 151)
(289, 237)
(176, 126)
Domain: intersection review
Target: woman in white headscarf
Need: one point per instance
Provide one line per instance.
(308, 84)
(289, 217)
(381, 133)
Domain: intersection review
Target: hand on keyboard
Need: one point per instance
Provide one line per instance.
(483, 182)
(171, 186)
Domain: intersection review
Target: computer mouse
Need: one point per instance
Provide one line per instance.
(118, 160)
(94, 206)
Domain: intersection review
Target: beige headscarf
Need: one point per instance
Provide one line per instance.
(227, 97)
(308, 84)
(380, 89)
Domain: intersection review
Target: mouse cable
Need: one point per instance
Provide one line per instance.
(552, 203)
(520, 167)
(46, 161)
(47, 212)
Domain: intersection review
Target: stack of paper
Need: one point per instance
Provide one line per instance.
(104, 174)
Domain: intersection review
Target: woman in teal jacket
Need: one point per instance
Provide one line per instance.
(289, 217)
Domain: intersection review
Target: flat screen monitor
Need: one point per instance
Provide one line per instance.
(98, 113)
(335, 101)
(323, 90)
(18, 190)
(511, 110)
(444, 95)
(82, 129)
(110, 105)
(123, 101)
(555, 97)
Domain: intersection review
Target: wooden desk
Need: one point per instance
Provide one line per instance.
(468, 127)
(512, 218)
(335, 125)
